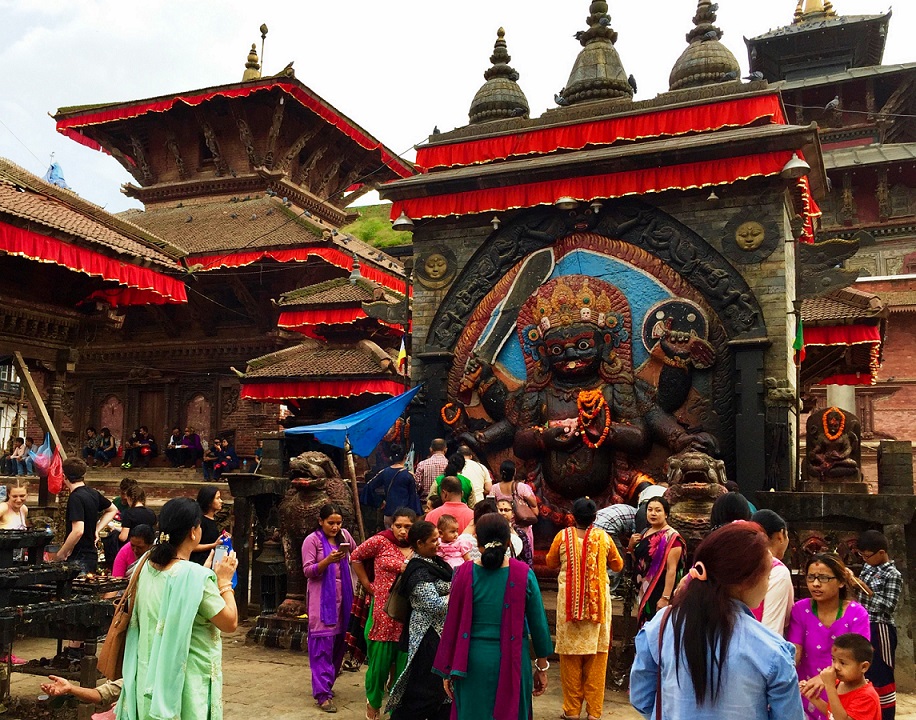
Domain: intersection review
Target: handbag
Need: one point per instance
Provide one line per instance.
(524, 514)
(397, 606)
(111, 656)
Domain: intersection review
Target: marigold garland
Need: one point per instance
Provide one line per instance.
(444, 415)
(839, 432)
(590, 404)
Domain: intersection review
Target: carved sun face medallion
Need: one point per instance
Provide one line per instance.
(748, 239)
(436, 269)
(750, 235)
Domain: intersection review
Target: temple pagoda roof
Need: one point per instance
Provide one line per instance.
(856, 73)
(845, 306)
(340, 291)
(316, 369)
(80, 122)
(871, 155)
(826, 23)
(30, 198)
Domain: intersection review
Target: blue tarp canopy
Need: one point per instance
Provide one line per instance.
(364, 429)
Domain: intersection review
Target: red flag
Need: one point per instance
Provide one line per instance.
(55, 473)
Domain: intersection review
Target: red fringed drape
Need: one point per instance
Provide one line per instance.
(845, 335)
(332, 255)
(142, 285)
(70, 126)
(810, 210)
(659, 123)
(281, 391)
(636, 182)
(295, 319)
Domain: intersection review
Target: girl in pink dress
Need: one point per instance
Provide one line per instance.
(817, 621)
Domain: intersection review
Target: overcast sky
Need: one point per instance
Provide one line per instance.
(397, 68)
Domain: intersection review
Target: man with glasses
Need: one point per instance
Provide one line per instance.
(884, 579)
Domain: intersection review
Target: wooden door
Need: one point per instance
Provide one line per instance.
(151, 411)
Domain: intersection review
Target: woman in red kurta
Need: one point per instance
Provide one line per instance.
(389, 552)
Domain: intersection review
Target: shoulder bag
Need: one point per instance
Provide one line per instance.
(524, 514)
(397, 607)
(111, 656)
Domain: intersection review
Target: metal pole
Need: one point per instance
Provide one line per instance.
(351, 471)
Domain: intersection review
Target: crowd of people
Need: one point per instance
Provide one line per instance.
(444, 607)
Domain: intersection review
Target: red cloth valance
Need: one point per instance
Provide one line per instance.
(810, 210)
(658, 123)
(636, 182)
(845, 335)
(332, 255)
(298, 389)
(143, 286)
(841, 334)
(295, 319)
(70, 126)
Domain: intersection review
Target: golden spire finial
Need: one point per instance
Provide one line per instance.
(252, 68)
(814, 10)
(799, 11)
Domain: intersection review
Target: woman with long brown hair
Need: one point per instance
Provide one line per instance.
(707, 654)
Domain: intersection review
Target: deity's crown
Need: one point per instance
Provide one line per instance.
(565, 305)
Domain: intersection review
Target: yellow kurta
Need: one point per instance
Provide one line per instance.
(584, 637)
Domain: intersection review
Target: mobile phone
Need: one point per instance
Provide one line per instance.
(219, 552)
(345, 546)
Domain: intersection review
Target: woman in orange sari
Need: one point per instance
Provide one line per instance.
(583, 554)
(660, 560)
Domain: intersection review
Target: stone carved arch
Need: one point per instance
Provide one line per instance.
(632, 221)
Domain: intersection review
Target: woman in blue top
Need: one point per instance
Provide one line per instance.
(397, 484)
(715, 661)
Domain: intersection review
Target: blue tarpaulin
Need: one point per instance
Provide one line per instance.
(364, 429)
(55, 176)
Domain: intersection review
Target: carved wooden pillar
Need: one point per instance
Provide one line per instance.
(870, 98)
(848, 210)
(883, 195)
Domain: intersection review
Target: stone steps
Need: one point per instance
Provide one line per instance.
(160, 484)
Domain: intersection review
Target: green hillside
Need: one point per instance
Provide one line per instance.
(374, 227)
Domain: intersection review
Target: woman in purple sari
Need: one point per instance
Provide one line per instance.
(660, 560)
(326, 565)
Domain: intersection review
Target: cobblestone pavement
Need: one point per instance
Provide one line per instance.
(260, 682)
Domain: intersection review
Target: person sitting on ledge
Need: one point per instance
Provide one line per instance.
(227, 461)
(140, 449)
(90, 446)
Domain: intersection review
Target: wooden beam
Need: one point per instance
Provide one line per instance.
(31, 391)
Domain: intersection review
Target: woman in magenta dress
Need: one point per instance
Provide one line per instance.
(389, 552)
(817, 621)
(326, 566)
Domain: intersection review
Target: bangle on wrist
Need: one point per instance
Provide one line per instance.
(224, 588)
(544, 669)
(666, 597)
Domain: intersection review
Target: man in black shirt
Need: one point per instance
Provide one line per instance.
(83, 521)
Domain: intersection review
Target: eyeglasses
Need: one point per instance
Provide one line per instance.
(822, 579)
(865, 555)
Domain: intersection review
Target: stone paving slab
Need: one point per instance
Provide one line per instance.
(262, 682)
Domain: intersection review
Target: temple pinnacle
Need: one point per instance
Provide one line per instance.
(705, 61)
(252, 68)
(500, 96)
(597, 73)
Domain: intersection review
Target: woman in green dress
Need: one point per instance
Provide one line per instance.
(483, 653)
(173, 651)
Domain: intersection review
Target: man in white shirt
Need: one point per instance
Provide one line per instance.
(481, 480)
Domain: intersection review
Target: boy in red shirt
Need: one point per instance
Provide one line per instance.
(849, 695)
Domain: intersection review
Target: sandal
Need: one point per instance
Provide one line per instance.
(371, 712)
(328, 706)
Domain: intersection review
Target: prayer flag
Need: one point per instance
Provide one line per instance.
(799, 344)
(402, 358)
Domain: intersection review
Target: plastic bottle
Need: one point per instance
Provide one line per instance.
(245, 465)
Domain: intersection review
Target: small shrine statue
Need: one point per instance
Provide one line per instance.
(834, 449)
(314, 482)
